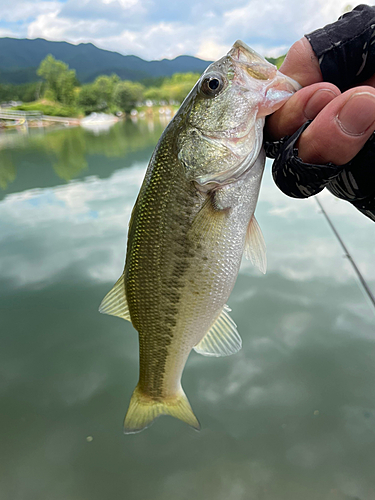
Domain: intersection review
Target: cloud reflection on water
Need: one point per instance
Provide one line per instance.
(87, 223)
(67, 225)
(308, 345)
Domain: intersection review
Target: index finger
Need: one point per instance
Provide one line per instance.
(301, 63)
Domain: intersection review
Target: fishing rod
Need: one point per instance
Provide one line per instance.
(347, 254)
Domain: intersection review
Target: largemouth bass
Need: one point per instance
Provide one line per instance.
(192, 221)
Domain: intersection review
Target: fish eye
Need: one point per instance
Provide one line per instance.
(212, 85)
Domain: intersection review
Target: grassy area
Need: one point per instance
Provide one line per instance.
(50, 108)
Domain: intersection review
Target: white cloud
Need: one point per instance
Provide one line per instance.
(16, 11)
(156, 31)
(125, 4)
(210, 50)
(326, 12)
(7, 32)
(53, 27)
(162, 40)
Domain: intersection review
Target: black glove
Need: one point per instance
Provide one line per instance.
(346, 55)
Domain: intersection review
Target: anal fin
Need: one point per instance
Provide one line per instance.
(222, 339)
(115, 303)
(255, 246)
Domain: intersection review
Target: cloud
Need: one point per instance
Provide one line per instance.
(211, 50)
(125, 4)
(21, 11)
(53, 27)
(127, 13)
(155, 30)
(162, 40)
(7, 32)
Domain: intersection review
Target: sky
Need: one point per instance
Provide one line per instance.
(157, 29)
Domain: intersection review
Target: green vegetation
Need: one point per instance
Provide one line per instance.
(276, 61)
(7, 168)
(60, 93)
(127, 95)
(49, 108)
(97, 96)
(60, 80)
(109, 93)
(68, 150)
(174, 88)
(26, 92)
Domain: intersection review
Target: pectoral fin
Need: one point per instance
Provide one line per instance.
(222, 338)
(255, 246)
(114, 303)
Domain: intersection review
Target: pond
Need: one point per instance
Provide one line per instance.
(290, 417)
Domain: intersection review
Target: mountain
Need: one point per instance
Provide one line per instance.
(20, 58)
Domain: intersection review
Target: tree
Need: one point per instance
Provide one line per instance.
(59, 78)
(127, 94)
(174, 88)
(88, 99)
(104, 86)
(99, 95)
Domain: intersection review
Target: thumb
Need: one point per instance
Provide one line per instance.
(341, 129)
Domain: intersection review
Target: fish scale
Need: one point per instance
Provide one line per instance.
(158, 242)
(192, 220)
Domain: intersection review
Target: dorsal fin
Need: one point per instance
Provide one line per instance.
(255, 247)
(114, 303)
(222, 339)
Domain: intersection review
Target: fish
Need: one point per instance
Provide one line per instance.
(191, 223)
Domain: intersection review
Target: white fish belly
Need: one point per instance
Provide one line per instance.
(211, 278)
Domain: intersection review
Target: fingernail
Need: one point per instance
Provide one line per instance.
(317, 102)
(357, 114)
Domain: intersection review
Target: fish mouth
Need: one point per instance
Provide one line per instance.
(259, 68)
(251, 62)
(243, 53)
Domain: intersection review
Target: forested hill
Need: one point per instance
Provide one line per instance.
(20, 58)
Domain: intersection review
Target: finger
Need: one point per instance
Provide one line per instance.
(302, 106)
(301, 63)
(341, 129)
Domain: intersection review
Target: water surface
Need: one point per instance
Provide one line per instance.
(291, 416)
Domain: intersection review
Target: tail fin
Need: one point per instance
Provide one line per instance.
(143, 410)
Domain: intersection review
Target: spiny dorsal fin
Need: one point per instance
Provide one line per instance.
(255, 247)
(114, 303)
(222, 339)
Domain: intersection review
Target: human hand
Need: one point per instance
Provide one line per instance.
(342, 122)
(324, 135)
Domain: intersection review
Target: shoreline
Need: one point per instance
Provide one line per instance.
(11, 118)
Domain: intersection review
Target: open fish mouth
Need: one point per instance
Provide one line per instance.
(240, 52)
(251, 62)
(260, 69)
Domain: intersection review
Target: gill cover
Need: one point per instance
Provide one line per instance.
(223, 131)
